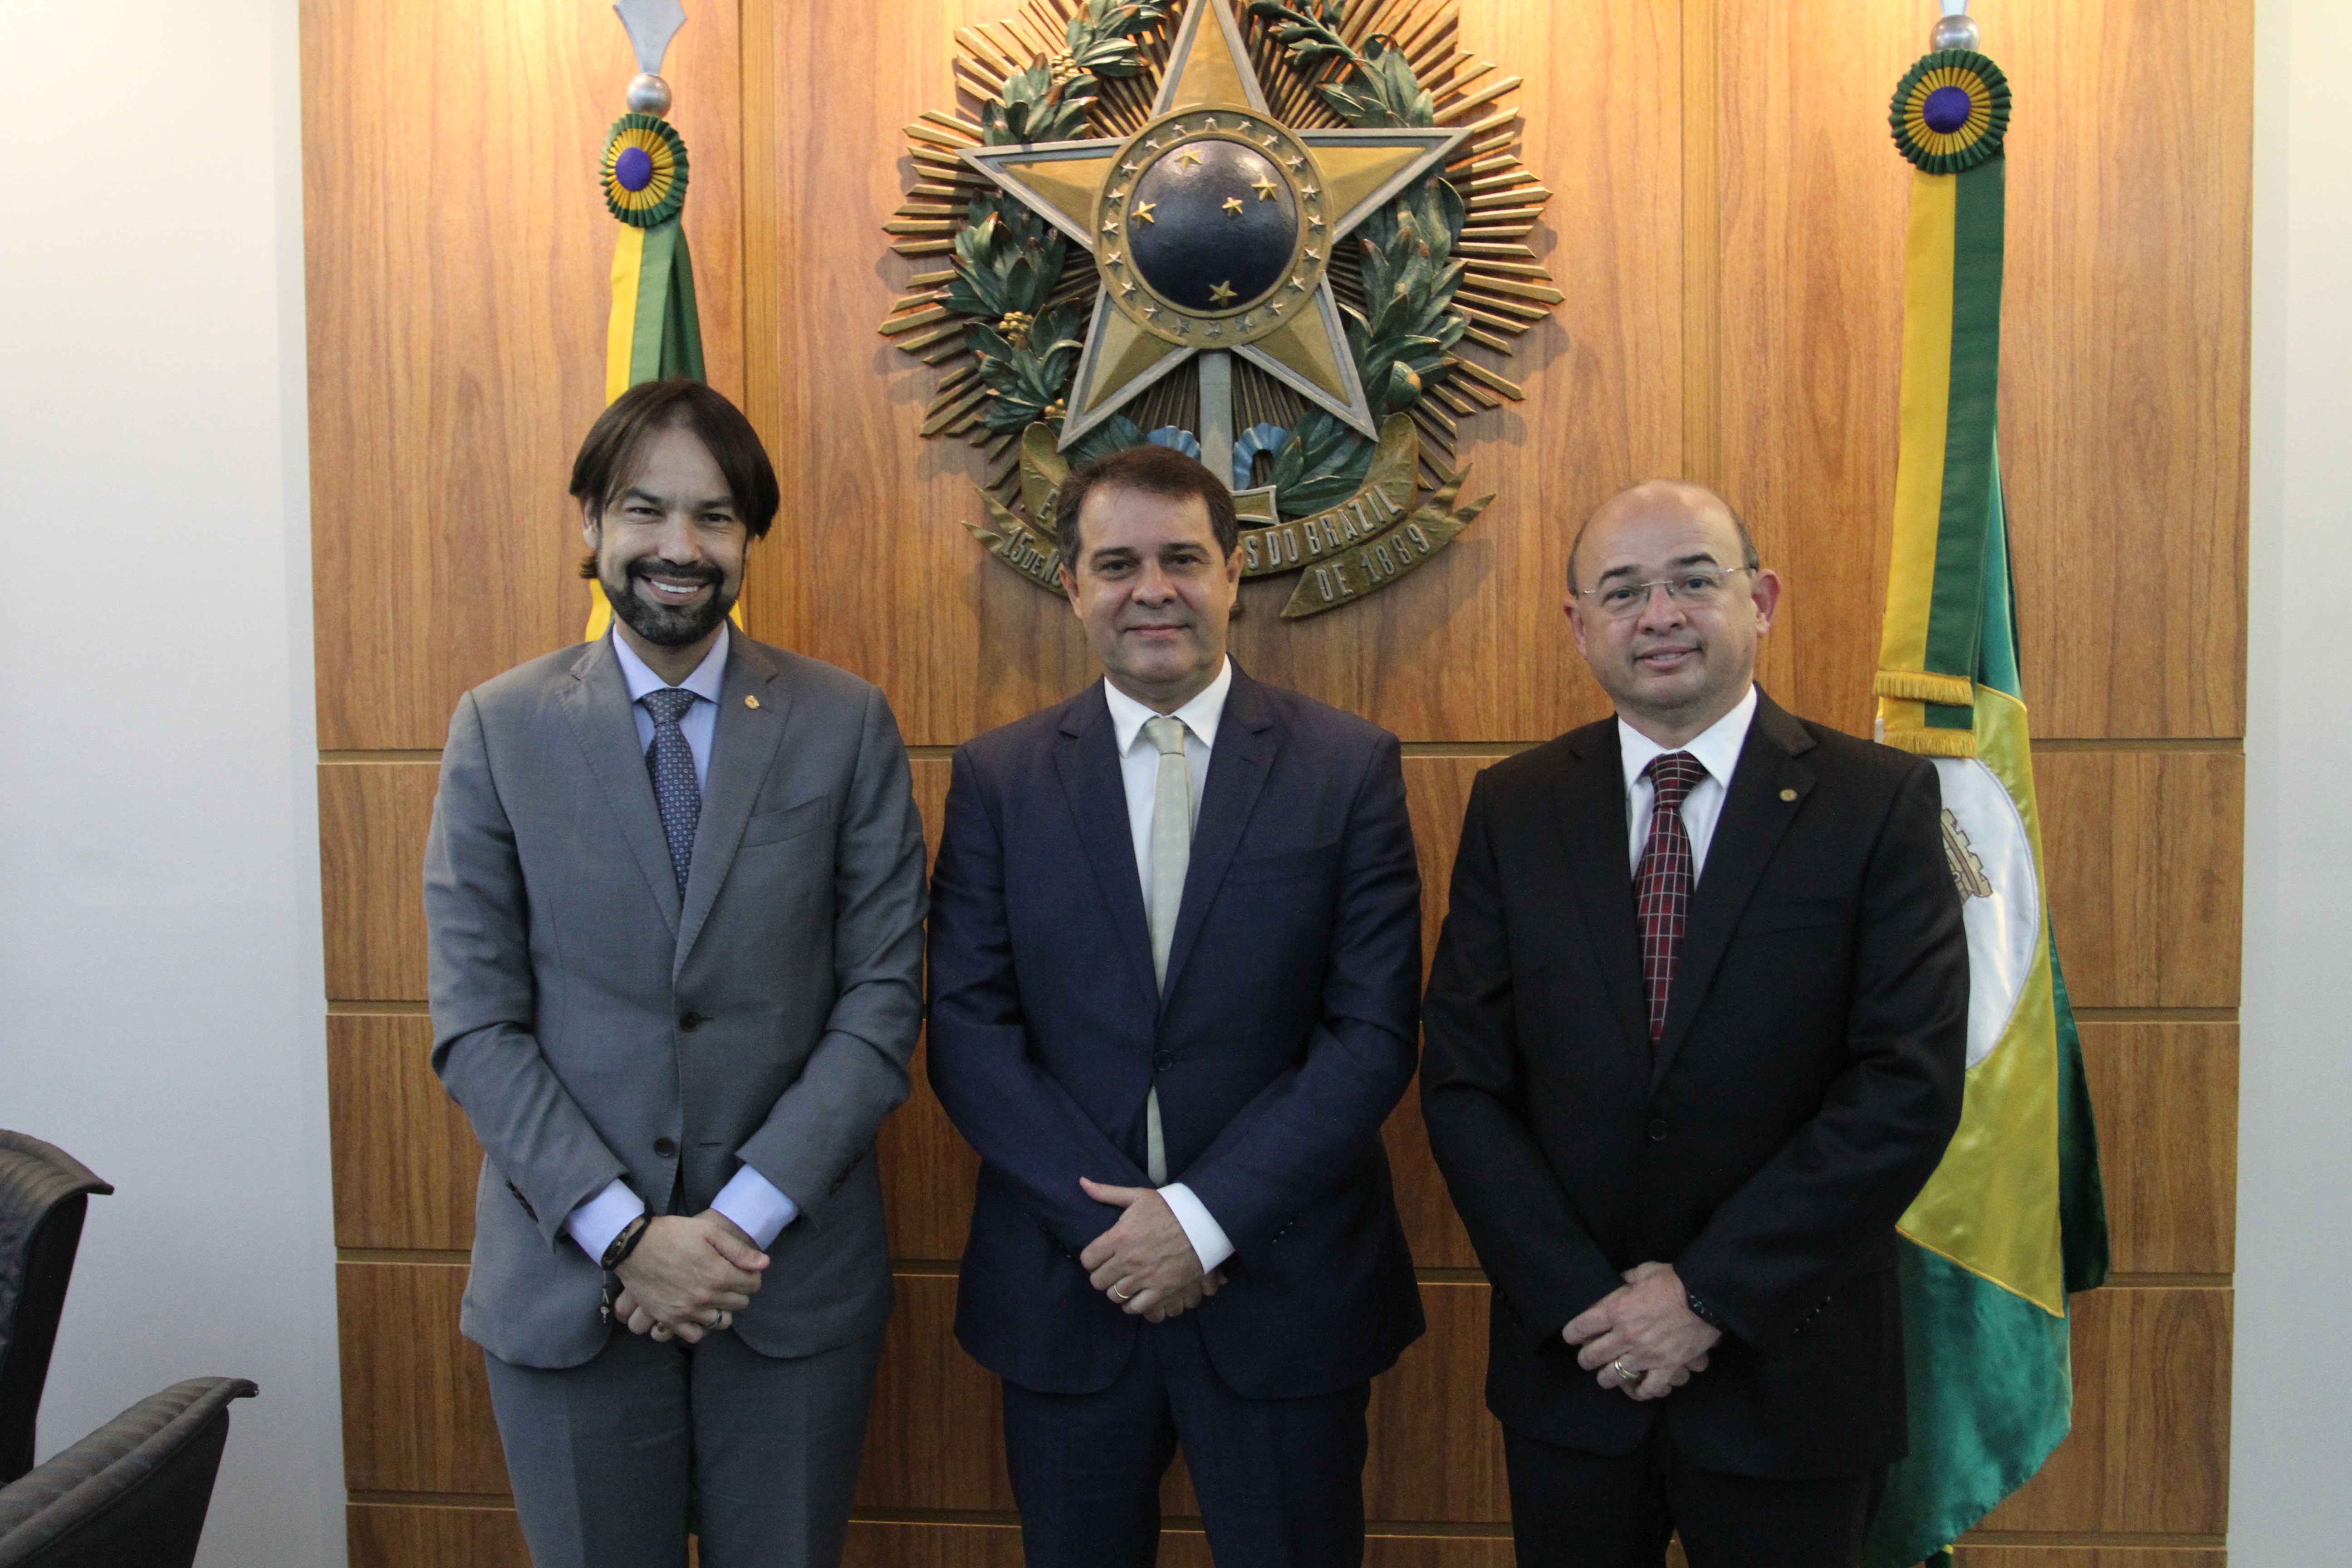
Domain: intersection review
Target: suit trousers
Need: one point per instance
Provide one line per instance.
(1281, 1481)
(613, 1461)
(1574, 1510)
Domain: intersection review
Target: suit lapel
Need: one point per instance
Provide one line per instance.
(743, 743)
(1247, 740)
(1085, 758)
(1767, 789)
(596, 706)
(1591, 822)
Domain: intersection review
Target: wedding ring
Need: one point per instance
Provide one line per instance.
(1617, 1366)
(1116, 1296)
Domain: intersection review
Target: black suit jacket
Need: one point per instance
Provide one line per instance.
(1283, 1038)
(1807, 1082)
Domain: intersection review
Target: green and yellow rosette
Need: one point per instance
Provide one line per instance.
(644, 171)
(1950, 111)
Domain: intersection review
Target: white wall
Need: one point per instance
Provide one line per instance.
(160, 968)
(2291, 1455)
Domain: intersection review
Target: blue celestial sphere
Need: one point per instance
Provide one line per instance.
(1946, 109)
(634, 168)
(1222, 226)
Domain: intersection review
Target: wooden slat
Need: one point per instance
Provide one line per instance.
(2124, 358)
(2150, 1449)
(413, 1535)
(416, 1406)
(1436, 1454)
(935, 1437)
(404, 1157)
(2144, 853)
(928, 1176)
(372, 819)
(2166, 1099)
(459, 253)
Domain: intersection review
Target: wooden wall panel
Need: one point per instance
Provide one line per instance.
(372, 819)
(404, 1155)
(2166, 1096)
(934, 1438)
(2150, 1449)
(416, 1406)
(2123, 352)
(457, 253)
(2088, 1557)
(411, 1535)
(877, 576)
(2146, 858)
(1807, 369)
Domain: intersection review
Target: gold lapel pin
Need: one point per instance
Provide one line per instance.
(750, 701)
(1785, 794)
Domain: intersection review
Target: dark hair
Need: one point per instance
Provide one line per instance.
(608, 454)
(1748, 558)
(1154, 469)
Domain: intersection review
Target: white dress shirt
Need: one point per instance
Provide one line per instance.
(1717, 748)
(1139, 766)
(749, 1199)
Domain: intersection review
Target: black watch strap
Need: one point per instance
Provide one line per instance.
(624, 1244)
(1704, 1313)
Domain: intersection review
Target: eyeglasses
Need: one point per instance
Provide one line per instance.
(1692, 587)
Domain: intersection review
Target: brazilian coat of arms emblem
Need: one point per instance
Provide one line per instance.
(1278, 240)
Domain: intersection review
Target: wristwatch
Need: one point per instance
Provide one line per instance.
(1704, 1313)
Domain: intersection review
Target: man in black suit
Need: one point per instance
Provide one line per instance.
(1696, 1037)
(1174, 957)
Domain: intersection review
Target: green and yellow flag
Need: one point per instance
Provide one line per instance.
(653, 332)
(2013, 1219)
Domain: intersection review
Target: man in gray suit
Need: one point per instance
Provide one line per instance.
(675, 894)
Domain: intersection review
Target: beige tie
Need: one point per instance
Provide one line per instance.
(1172, 854)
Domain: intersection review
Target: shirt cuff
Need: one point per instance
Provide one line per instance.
(595, 1223)
(758, 1209)
(1200, 1228)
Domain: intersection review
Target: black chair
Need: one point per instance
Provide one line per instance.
(44, 1192)
(134, 1493)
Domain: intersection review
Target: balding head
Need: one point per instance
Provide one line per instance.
(1673, 495)
(1668, 600)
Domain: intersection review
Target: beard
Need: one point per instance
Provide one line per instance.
(666, 626)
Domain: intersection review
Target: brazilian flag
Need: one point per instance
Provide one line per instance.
(653, 334)
(2013, 1219)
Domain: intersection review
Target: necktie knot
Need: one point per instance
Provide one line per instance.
(1674, 775)
(668, 704)
(1167, 734)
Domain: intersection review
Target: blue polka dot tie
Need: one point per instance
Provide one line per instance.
(670, 762)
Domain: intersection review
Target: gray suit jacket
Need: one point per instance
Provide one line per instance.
(594, 1025)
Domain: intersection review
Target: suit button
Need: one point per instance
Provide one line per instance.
(1657, 1130)
(666, 1147)
(689, 1021)
(1164, 1061)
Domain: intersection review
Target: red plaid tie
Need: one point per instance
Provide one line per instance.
(1661, 888)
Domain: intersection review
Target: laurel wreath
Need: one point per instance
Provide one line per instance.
(1010, 264)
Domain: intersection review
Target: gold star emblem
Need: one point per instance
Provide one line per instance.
(1222, 294)
(1344, 176)
(1234, 206)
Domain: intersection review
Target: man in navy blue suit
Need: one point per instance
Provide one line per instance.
(1175, 947)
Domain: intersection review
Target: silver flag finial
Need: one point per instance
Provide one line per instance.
(651, 23)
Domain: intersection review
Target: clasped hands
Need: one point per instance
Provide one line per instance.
(1645, 1327)
(1145, 1262)
(687, 1276)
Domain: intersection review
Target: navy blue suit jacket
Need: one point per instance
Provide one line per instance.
(1285, 1036)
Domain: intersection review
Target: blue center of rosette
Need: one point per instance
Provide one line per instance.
(1946, 109)
(634, 169)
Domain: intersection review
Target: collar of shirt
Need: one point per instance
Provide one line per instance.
(1199, 716)
(1716, 747)
(704, 682)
